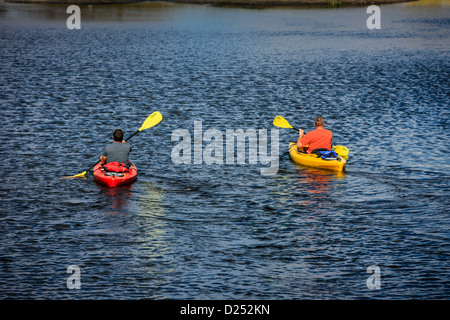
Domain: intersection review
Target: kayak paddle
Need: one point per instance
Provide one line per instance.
(151, 121)
(281, 122)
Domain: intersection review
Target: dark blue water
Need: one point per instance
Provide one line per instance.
(198, 231)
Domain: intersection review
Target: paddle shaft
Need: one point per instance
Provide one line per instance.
(132, 135)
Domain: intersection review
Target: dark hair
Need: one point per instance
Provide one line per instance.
(319, 121)
(118, 135)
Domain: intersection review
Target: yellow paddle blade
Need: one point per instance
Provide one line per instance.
(151, 121)
(80, 175)
(341, 150)
(281, 122)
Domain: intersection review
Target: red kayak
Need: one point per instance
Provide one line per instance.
(115, 175)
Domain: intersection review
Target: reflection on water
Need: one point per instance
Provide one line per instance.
(317, 181)
(315, 187)
(56, 13)
(152, 222)
(153, 251)
(116, 198)
(150, 202)
(428, 3)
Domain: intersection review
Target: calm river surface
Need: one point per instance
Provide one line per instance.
(224, 231)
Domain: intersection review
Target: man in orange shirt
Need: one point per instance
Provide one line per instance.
(316, 139)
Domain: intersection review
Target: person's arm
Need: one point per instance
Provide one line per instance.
(103, 157)
(301, 135)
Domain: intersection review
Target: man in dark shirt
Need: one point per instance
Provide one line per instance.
(117, 151)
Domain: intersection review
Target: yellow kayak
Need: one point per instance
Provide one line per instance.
(312, 160)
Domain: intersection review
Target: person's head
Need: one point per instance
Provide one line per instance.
(319, 122)
(118, 135)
